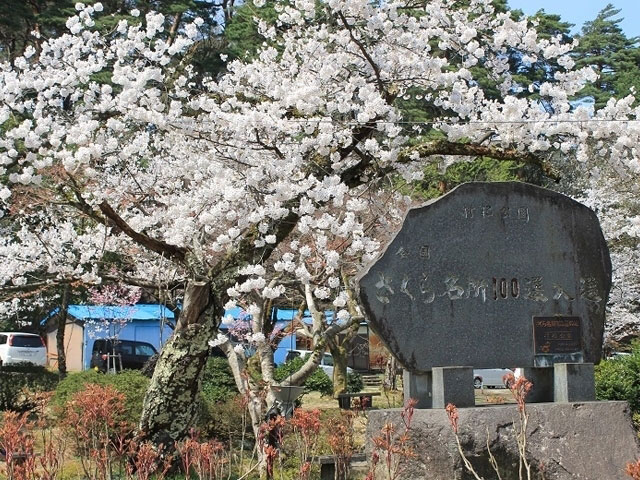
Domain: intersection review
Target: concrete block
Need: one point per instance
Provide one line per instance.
(453, 385)
(574, 382)
(542, 379)
(418, 387)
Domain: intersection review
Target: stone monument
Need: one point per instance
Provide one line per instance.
(492, 275)
(500, 275)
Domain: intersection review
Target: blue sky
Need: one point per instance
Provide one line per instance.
(579, 11)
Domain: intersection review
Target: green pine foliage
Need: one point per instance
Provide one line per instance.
(530, 74)
(438, 181)
(243, 39)
(18, 18)
(615, 58)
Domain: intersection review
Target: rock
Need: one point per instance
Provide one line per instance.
(570, 441)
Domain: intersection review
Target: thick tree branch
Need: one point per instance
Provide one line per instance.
(445, 147)
(197, 299)
(146, 284)
(30, 287)
(171, 251)
(374, 66)
(224, 273)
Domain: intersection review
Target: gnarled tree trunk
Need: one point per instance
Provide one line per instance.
(171, 403)
(62, 325)
(339, 354)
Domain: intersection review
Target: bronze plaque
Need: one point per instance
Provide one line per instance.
(559, 334)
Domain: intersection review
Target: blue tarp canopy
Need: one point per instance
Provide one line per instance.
(283, 315)
(140, 311)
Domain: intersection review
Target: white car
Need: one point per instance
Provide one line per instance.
(17, 347)
(490, 377)
(326, 362)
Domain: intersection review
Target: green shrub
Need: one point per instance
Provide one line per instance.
(619, 379)
(221, 412)
(354, 382)
(318, 381)
(217, 384)
(224, 421)
(132, 383)
(14, 379)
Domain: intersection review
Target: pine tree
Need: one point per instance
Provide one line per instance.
(530, 74)
(20, 19)
(616, 58)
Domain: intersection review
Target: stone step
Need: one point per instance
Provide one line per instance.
(372, 380)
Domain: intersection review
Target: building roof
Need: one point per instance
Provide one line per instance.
(283, 316)
(140, 311)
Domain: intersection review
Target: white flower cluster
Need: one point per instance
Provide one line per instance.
(285, 152)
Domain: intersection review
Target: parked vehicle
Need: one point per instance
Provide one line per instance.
(326, 362)
(17, 347)
(490, 377)
(618, 355)
(110, 352)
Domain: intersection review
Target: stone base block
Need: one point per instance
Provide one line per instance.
(574, 382)
(566, 441)
(418, 387)
(542, 380)
(452, 385)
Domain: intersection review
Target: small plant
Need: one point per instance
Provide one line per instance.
(146, 461)
(270, 439)
(91, 421)
(519, 388)
(16, 442)
(452, 413)
(207, 460)
(392, 447)
(633, 470)
(341, 442)
(305, 430)
(54, 444)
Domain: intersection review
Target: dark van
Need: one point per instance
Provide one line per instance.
(132, 354)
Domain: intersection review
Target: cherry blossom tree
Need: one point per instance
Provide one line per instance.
(237, 186)
(611, 189)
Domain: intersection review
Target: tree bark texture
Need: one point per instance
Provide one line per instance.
(390, 369)
(339, 354)
(62, 324)
(171, 403)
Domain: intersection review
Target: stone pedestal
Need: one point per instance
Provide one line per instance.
(441, 386)
(573, 382)
(418, 387)
(569, 441)
(542, 380)
(453, 385)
